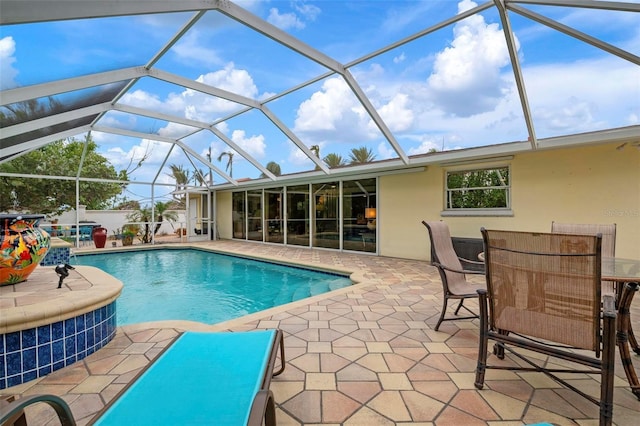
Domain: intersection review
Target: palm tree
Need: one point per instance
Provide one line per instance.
(143, 215)
(361, 155)
(182, 179)
(334, 160)
(229, 167)
(316, 150)
(273, 167)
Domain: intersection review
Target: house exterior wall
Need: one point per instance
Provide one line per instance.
(593, 184)
(223, 215)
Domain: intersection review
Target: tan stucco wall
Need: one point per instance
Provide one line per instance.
(594, 184)
(223, 215)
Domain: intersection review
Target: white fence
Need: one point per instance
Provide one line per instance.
(113, 220)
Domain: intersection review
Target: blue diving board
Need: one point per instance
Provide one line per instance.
(217, 378)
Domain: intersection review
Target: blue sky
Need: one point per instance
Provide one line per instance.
(451, 89)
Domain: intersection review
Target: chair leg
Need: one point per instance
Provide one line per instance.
(483, 341)
(459, 306)
(444, 310)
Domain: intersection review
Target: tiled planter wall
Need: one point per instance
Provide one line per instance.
(56, 256)
(28, 354)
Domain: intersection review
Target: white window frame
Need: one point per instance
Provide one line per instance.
(497, 211)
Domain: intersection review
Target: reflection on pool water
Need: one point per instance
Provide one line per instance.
(196, 285)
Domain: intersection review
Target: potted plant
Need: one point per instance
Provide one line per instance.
(128, 233)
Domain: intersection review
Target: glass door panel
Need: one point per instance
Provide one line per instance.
(254, 209)
(359, 215)
(273, 219)
(326, 223)
(239, 215)
(298, 215)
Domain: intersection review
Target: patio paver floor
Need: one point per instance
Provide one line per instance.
(364, 356)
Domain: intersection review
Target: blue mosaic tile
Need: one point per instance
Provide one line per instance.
(28, 338)
(79, 324)
(1, 344)
(29, 359)
(14, 363)
(57, 330)
(14, 380)
(13, 341)
(69, 327)
(44, 355)
(57, 350)
(44, 334)
(69, 346)
(89, 320)
(60, 344)
(90, 338)
(81, 340)
(29, 375)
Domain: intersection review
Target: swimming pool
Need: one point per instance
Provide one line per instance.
(197, 285)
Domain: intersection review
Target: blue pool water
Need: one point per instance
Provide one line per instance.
(196, 285)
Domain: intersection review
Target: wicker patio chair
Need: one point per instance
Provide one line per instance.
(543, 295)
(452, 273)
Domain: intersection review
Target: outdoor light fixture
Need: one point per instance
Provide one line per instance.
(63, 272)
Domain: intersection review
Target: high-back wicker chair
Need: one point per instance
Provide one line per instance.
(544, 295)
(452, 274)
(608, 232)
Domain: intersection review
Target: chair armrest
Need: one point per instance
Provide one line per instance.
(608, 305)
(472, 262)
(263, 409)
(58, 404)
(460, 271)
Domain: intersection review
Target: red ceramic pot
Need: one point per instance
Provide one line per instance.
(22, 246)
(100, 237)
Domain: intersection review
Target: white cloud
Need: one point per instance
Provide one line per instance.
(284, 21)
(333, 113)
(254, 145)
(397, 114)
(8, 72)
(293, 20)
(196, 105)
(191, 50)
(400, 58)
(466, 76)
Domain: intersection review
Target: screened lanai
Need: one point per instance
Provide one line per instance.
(257, 94)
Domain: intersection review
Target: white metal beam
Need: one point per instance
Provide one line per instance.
(576, 34)
(588, 4)
(517, 70)
(25, 11)
(35, 91)
(40, 142)
(52, 120)
(276, 34)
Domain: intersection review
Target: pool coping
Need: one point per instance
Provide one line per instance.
(38, 301)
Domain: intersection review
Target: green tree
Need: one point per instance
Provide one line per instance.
(182, 178)
(478, 189)
(54, 196)
(361, 155)
(334, 160)
(143, 217)
(273, 167)
(316, 150)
